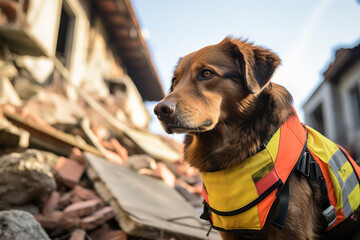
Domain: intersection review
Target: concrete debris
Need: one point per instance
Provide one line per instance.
(55, 109)
(25, 88)
(24, 178)
(140, 161)
(8, 93)
(20, 225)
(104, 196)
(141, 203)
(8, 70)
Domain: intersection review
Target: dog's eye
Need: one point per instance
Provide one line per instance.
(206, 74)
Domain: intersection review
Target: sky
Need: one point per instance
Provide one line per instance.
(304, 34)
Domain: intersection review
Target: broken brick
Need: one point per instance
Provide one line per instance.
(51, 203)
(108, 145)
(83, 193)
(161, 172)
(98, 218)
(83, 208)
(77, 155)
(97, 234)
(69, 171)
(78, 234)
(196, 190)
(119, 149)
(46, 222)
(114, 235)
(56, 215)
(75, 199)
(113, 157)
(184, 170)
(165, 174)
(65, 199)
(70, 223)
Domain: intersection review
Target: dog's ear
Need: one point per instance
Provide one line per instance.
(256, 64)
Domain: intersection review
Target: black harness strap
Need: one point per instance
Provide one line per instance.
(282, 210)
(310, 169)
(283, 197)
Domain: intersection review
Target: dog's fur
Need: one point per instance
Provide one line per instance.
(222, 98)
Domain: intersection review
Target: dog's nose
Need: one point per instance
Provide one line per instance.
(165, 109)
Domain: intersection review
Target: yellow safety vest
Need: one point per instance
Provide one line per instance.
(241, 198)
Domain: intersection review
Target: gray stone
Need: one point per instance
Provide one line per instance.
(24, 178)
(20, 225)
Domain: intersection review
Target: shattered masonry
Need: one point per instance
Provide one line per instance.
(73, 78)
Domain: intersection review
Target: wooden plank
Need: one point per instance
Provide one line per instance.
(85, 125)
(144, 142)
(54, 140)
(121, 32)
(147, 207)
(127, 44)
(116, 20)
(107, 5)
(151, 144)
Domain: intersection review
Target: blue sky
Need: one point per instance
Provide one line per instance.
(304, 34)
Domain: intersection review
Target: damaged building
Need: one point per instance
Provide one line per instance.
(77, 160)
(334, 107)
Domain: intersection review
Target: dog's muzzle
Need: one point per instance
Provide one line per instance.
(165, 110)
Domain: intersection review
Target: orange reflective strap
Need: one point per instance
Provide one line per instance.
(264, 207)
(204, 193)
(292, 143)
(330, 189)
(206, 198)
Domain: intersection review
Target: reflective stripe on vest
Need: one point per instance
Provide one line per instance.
(340, 173)
(241, 198)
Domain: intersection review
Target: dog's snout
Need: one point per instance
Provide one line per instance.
(164, 110)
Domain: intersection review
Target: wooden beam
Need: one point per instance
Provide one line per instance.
(139, 209)
(131, 54)
(127, 44)
(107, 5)
(115, 20)
(121, 32)
(54, 140)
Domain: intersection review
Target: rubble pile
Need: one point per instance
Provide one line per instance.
(44, 171)
(77, 160)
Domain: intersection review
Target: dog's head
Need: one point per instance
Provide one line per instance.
(213, 82)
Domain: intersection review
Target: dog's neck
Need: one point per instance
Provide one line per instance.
(239, 136)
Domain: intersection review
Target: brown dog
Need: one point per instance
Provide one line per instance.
(222, 98)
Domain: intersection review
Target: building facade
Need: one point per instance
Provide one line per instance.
(334, 107)
(94, 45)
